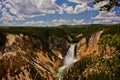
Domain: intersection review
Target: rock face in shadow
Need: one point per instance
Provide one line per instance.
(25, 58)
(58, 46)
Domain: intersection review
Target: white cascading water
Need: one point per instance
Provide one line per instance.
(68, 60)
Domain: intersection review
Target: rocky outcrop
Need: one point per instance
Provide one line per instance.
(92, 47)
(95, 62)
(85, 47)
(25, 58)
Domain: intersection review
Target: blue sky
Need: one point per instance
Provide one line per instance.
(55, 12)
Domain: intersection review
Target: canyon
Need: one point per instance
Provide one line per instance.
(23, 57)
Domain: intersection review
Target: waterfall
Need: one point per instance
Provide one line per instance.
(68, 60)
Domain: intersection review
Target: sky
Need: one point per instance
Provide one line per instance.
(55, 13)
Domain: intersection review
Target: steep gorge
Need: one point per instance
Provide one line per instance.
(25, 57)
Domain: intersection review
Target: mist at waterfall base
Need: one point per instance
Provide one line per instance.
(68, 60)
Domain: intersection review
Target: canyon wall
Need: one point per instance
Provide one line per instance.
(26, 58)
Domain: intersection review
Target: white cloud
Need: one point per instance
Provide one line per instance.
(31, 8)
(8, 23)
(0, 7)
(81, 8)
(105, 22)
(78, 8)
(34, 23)
(78, 22)
(106, 17)
(57, 22)
(80, 1)
(54, 22)
(115, 23)
(68, 9)
(6, 16)
(101, 21)
(21, 10)
(26, 23)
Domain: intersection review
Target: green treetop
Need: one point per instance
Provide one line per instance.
(108, 6)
